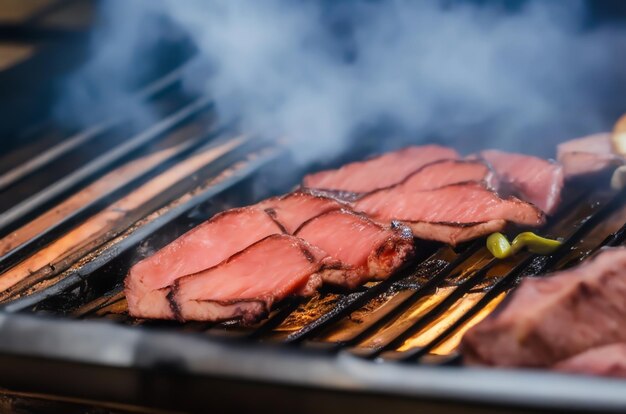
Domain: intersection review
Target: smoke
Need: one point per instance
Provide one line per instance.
(328, 76)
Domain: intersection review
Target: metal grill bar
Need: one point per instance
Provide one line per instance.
(21, 251)
(15, 215)
(51, 155)
(439, 309)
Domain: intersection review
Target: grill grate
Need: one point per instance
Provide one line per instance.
(418, 314)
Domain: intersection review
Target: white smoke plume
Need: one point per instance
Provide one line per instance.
(472, 74)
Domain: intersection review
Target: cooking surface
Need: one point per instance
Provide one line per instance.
(79, 206)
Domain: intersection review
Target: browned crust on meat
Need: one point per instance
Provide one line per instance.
(455, 232)
(245, 316)
(391, 255)
(173, 290)
(394, 251)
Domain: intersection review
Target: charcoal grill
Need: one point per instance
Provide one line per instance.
(118, 190)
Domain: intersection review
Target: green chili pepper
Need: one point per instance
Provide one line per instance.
(499, 246)
(534, 243)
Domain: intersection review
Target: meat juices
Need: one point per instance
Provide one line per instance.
(588, 155)
(553, 318)
(208, 244)
(293, 209)
(380, 172)
(530, 178)
(363, 250)
(450, 214)
(247, 284)
(607, 361)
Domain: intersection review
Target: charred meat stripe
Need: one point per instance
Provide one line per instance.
(362, 250)
(212, 242)
(469, 209)
(380, 172)
(293, 209)
(246, 285)
(442, 173)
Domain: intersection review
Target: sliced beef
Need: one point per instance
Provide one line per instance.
(588, 155)
(446, 172)
(450, 214)
(363, 250)
(380, 172)
(213, 241)
(556, 317)
(248, 283)
(293, 209)
(531, 178)
(607, 361)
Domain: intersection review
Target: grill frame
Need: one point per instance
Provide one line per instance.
(136, 365)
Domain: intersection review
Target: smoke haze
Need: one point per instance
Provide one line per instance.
(326, 76)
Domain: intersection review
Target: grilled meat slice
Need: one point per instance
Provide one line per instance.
(607, 361)
(454, 233)
(148, 282)
(588, 155)
(248, 283)
(553, 318)
(362, 250)
(450, 214)
(530, 178)
(380, 172)
(446, 172)
(293, 209)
